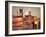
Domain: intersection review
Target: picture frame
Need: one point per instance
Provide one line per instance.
(16, 4)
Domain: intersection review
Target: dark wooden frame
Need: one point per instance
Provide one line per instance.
(6, 18)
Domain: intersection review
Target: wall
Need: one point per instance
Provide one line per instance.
(34, 11)
(2, 19)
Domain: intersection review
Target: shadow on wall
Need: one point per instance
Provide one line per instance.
(8, 36)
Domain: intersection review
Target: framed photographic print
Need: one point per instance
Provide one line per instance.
(24, 18)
